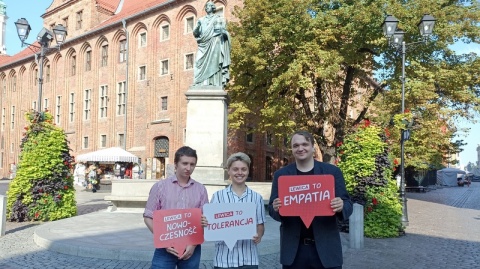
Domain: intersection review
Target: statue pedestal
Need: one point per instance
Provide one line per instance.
(207, 131)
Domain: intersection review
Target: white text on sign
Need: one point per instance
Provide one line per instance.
(177, 229)
(305, 187)
(303, 198)
(231, 223)
(172, 218)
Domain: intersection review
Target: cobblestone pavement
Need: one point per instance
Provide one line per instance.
(443, 232)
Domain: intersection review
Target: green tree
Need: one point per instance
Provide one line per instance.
(43, 186)
(304, 64)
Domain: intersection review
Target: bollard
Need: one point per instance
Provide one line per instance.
(3, 214)
(356, 227)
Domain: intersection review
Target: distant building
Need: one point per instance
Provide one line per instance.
(478, 156)
(3, 25)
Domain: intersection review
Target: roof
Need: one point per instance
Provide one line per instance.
(29, 51)
(110, 5)
(129, 8)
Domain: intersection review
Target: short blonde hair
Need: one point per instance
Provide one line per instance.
(239, 156)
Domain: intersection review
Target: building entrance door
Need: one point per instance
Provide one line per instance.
(159, 168)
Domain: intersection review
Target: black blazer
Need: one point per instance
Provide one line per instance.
(325, 229)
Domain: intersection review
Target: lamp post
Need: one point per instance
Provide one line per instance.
(44, 38)
(395, 39)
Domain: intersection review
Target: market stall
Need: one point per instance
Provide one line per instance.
(111, 155)
(113, 162)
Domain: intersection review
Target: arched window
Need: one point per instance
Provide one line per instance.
(161, 147)
(268, 168)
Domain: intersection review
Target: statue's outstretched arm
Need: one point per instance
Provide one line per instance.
(197, 30)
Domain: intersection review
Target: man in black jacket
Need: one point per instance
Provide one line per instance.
(318, 246)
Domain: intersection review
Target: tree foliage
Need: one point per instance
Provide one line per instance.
(43, 186)
(304, 64)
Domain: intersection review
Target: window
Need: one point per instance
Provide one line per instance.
(165, 32)
(189, 22)
(143, 40)
(123, 50)
(58, 110)
(71, 107)
(189, 61)
(103, 141)
(14, 83)
(2, 143)
(47, 73)
(3, 119)
(1, 160)
(85, 142)
(73, 65)
(12, 148)
(103, 101)
(34, 105)
(249, 136)
(12, 119)
(79, 19)
(88, 60)
(104, 55)
(87, 103)
(35, 78)
(285, 142)
(268, 168)
(45, 104)
(164, 103)
(164, 65)
(142, 72)
(65, 22)
(4, 86)
(121, 98)
(269, 139)
(121, 140)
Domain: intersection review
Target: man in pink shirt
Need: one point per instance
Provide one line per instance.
(179, 191)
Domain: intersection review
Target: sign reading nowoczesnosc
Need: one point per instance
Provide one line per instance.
(306, 196)
(177, 228)
(230, 222)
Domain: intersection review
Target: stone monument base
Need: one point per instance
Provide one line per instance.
(207, 131)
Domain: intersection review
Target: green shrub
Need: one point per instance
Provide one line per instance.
(43, 186)
(365, 162)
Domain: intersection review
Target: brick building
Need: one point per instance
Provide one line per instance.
(118, 80)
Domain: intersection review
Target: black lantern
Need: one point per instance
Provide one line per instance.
(398, 37)
(23, 29)
(426, 25)
(389, 25)
(60, 33)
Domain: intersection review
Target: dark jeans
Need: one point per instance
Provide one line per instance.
(164, 260)
(307, 258)
(240, 267)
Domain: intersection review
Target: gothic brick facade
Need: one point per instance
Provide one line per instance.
(118, 80)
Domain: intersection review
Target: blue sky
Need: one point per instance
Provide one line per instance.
(28, 9)
(33, 9)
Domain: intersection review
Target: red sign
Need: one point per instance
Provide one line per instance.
(306, 196)
(177, 228)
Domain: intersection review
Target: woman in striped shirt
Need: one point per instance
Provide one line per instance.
(245, 254)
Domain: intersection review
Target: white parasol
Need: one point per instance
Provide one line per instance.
(108, 155)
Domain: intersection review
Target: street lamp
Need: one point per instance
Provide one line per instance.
(395, 38)
(44, 38)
